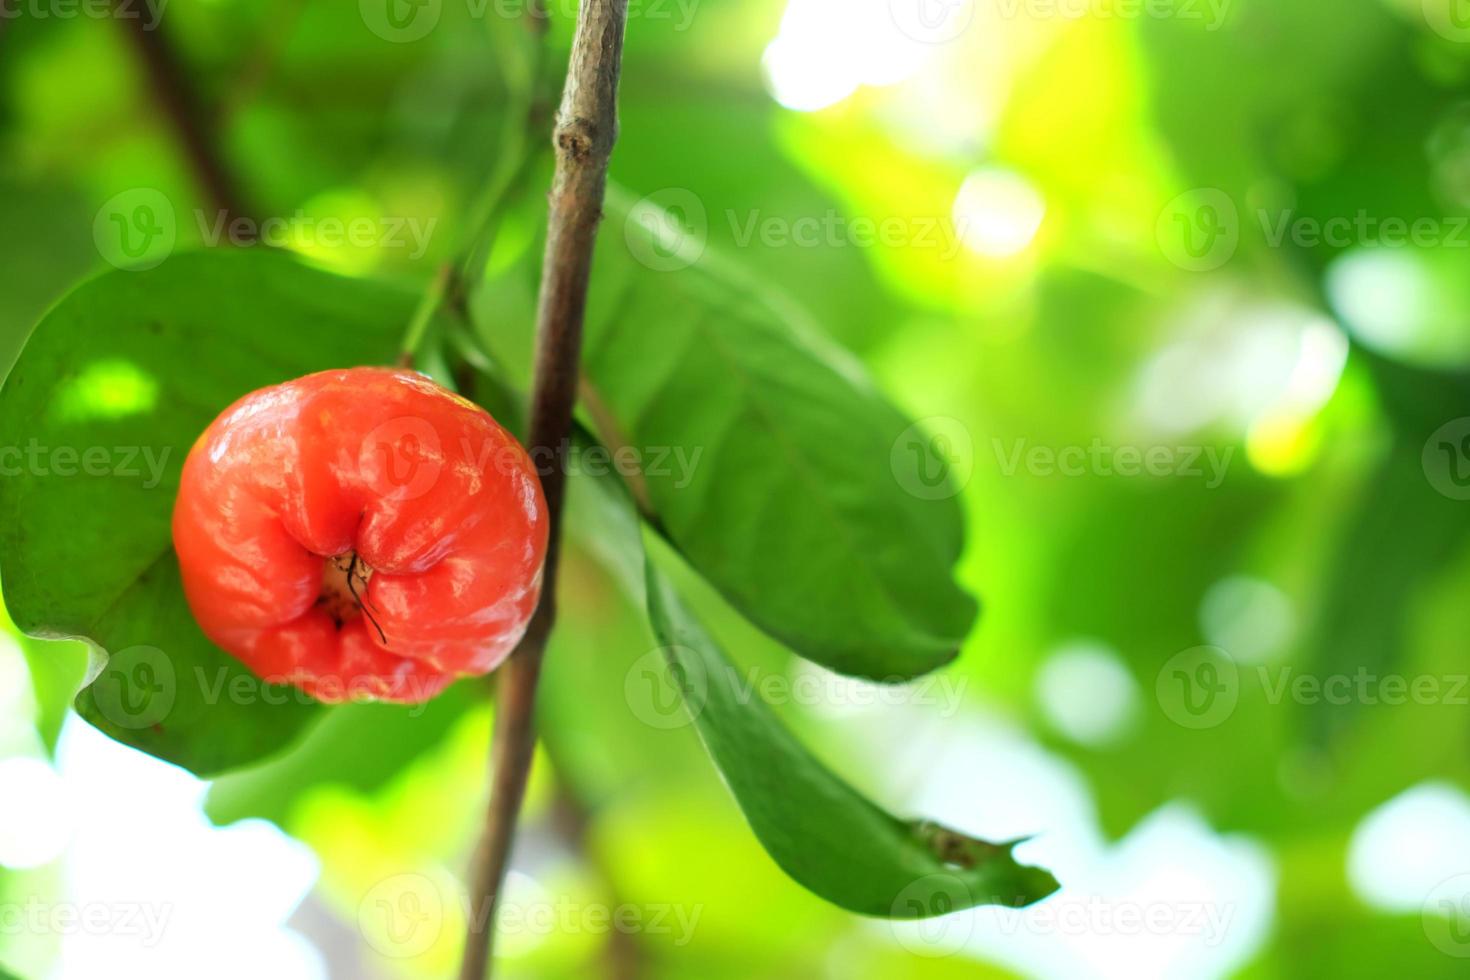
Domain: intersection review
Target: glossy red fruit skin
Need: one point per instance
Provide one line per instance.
(422, 485)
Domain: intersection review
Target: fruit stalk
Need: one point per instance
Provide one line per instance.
(586, 128)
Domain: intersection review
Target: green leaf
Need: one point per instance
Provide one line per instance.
(828, 837)
(358, 746)
(57, 670)
(821, 831)
(770, 459)
(96, 418)
(1404, 532)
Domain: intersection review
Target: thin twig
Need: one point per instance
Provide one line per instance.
(524, 131)
(178, 100)
(255, 69)
(525, 124)
(586, 128)
(423, 314)
(612, 436)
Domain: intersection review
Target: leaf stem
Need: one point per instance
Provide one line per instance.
(586, 128)
(423, 315)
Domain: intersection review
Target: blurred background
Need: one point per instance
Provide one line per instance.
(1182, 289)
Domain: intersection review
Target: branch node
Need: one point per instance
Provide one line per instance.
(577, 138)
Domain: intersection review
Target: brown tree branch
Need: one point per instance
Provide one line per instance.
(176, 97)
(586, 128)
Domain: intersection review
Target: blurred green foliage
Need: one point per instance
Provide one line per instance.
(1094, 330)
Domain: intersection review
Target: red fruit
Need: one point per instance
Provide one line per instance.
(361, 533)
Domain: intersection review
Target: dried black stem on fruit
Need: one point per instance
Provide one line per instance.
(361, 600)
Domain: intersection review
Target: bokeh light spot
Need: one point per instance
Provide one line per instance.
(34, 827)
(1404, 848)
(106, 390)
(1405, 304)
(1248, 617)
(1086, 693)
(997, 212)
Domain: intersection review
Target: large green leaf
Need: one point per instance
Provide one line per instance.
(770, 459)
(1402, 535)
(96, 418)
(821, 831)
